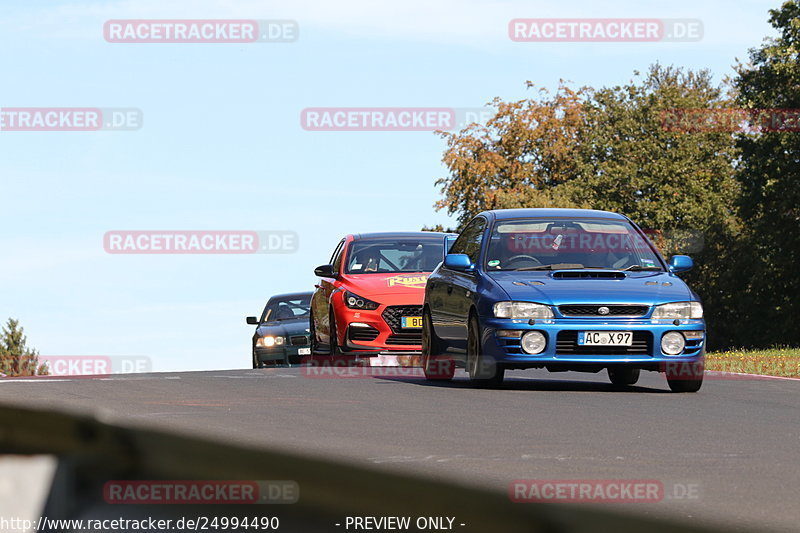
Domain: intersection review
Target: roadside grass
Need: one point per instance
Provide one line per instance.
(778, 361)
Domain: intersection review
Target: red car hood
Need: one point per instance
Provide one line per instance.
(406, 284)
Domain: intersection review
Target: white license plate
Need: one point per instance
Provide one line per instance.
(304, 351)
(605, 338)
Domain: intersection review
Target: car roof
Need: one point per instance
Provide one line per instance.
(506, 214)
(401, 235)
(291, 296)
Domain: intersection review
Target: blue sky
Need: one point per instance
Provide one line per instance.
(222, 148)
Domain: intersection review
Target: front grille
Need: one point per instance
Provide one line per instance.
(391, 315)
(613, 310)
(405, 338)
(567, 344)
(367, 334)
(298, 340)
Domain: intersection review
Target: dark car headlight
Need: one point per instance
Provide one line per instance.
(354, 301)
(270, 341)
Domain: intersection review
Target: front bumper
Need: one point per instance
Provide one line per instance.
(290, 354)
(562, 347)
(368, 331)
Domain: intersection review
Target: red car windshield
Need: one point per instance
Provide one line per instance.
(540, 244)
(384, 257)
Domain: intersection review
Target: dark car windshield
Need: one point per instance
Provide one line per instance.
(387, 256)
(542, 244)
(287, 309)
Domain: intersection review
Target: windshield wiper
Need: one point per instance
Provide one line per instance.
(557, 266)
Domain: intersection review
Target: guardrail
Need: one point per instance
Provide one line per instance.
(92, 452)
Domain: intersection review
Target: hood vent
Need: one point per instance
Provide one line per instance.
(588, 274)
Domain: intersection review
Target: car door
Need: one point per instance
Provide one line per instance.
(455, 290)
(324, 289)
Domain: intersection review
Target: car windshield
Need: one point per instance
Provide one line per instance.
(542, 244)
(287, 309)
(407, 255)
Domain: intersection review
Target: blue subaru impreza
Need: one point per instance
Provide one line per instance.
(564, 290)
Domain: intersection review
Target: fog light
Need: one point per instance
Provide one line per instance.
(672, 343)
(534, 342)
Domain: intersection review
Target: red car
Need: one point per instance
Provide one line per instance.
(368, 301)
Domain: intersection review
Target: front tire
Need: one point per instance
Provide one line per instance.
(484, 372)
(623, 376)
(312, 337)
(334, 336)
(679, 383)
(435, 367)
(256, 362)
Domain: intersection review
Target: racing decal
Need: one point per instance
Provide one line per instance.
(416, 282)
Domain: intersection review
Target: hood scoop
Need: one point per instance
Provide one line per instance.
(588, 274)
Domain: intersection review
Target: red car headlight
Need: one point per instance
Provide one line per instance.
(354, 301)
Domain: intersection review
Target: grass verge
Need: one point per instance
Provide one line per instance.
(784, 362)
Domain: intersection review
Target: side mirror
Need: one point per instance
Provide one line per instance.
(460, 262)
(324, 271)
(680, 263)
(252, 320)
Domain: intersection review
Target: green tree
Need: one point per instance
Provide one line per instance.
(16, 359)
(525, 155)
(604, 149)
(770, 176)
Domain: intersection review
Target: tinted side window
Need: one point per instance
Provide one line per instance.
(469, 242)
(336, 252)
(336, 260)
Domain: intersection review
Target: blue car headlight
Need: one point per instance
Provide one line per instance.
(679, 310)
(534, 342)
(673, 343)
(522, 310)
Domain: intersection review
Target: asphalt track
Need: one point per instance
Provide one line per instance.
(728, 455)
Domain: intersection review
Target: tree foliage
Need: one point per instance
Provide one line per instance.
(16, 359)
(525, 155)
(770, 175)
(602, 149)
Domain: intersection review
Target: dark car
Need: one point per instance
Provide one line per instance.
(561, 289)
(282, 333)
